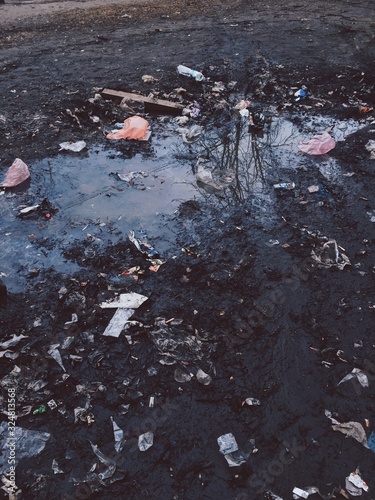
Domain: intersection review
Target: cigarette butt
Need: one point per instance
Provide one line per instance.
(151, 402)
(367, 422)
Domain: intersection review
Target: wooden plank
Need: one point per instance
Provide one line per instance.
(156, 105)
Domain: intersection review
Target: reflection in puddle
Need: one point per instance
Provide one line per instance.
(86, 189)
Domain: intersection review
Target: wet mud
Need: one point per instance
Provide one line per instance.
(236, 278)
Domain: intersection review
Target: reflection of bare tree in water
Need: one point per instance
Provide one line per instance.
(243, 157)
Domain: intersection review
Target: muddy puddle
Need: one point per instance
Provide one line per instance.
(104, 192)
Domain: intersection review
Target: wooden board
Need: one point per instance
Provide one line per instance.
(151, 105)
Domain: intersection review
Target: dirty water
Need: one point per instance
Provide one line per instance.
(88, 199)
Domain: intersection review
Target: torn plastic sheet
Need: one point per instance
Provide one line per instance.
(13, 341)
(319, 144)
(75, 147)
(125, 300)
(109, 463)
(350, 429)
(359, 375)
(355, 479)
(143, 246)
(17, 173)
(118, 435)
(227, 443)
(118, 322)
(145, 441)
(54, 352)
(28, 444)
(328, 255)
(9, 354)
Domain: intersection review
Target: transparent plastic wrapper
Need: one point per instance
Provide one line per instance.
(75, 147)
(17, 173)
(27, 444)
(110, 464)
(203, 377)
(145, 441)
(135, 127)
(318, 145)
(359, 375)
(227, 443)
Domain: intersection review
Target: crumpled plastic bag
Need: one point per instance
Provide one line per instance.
(354, 430)
(135, 127)
(17, 173)
(328, 255)
(318, 145)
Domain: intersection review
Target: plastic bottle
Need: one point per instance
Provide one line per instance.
(184, 70)
(41, 409)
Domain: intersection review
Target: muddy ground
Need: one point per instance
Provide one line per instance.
(261, 317)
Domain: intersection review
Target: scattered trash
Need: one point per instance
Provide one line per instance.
(285, 185)
(118, 435)
(13, 341)
(145, 441)
(203, 378)
(370, 146)
(359, 375)
(242, 108)
(318, 145)
(27, 210)
(190, 135)
(193, 110)
(227, 443)
(17, 173)
(55, 467)
(142, 245)
(68, 324)
(350, 429)
(181, 376)
(328, 255)
(182, 120)
(130, 300)
(185, 71)
(109, 463)
(305, 492)
(134, 127)
(75, 147)
(27, 443)
(300, 94)
(355, 479)
(40, 409)
(252, 401)
(53, 351)
(313, 189)
(149, 79)
(118, 322)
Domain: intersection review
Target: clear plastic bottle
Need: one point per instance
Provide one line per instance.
(184, 70)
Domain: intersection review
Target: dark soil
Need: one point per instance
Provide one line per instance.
(273, 325)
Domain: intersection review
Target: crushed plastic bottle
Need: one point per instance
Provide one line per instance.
(184, 70)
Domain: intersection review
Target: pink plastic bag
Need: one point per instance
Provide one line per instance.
(16, 174)
(135, 127)
(318, 145)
